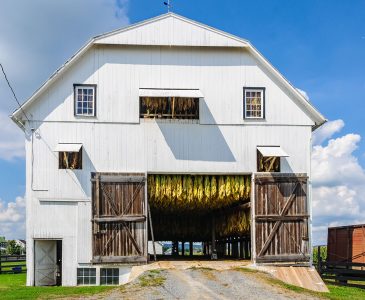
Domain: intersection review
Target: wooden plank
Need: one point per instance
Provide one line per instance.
(152, 233)
(273, 218)
(125, 218)
(354, 278)
(120, 179)
(284, 258)
(278, 223)
(344, 272)
(118, 259)
(343, 264)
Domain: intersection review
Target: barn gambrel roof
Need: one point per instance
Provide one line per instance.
(174, 30)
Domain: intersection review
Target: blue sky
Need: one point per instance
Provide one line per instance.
(318, 45)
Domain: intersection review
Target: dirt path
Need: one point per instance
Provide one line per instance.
(202, 284)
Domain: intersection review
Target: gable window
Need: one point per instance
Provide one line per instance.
(254, 102)
(109, 276)
(69, 156)
(85, 100)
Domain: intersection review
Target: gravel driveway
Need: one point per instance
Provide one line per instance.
(202, 284)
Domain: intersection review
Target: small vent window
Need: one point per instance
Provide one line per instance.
(109, 276)
(267, 163)
(169, 107)
(86, 276)
(70, 160)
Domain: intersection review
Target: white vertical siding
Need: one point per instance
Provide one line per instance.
(119, 72)
(158, 146)
(172, 30)
(84, 230)
(118, 141)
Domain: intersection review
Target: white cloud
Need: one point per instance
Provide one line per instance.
(12, 219)
(38, 36)
(335, 163)
(338, 184)
(327, 130)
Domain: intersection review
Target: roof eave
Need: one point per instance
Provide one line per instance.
(316, 116)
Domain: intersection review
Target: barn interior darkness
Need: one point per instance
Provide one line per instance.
(209, 213)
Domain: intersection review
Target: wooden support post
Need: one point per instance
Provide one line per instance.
(151, 228)
(319, 267)
(241, 248)
(204, 248)
(183, 248)
(214, 250)
(237, 254)
(191, 248)
(246, 249)
(97, 203)
(175, 247)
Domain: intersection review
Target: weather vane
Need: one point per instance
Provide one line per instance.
(169, 5)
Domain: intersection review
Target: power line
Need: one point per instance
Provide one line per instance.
(16, 99)
(44, 141)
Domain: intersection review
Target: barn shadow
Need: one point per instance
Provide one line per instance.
(88, 168)
(189, 140)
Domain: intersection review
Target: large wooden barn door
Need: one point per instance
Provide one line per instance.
(281, 218)
(119, 218)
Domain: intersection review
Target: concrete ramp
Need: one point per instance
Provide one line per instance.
(305, 277)
(182, 265)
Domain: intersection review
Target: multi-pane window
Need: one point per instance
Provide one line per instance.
(169, 107)
(86, 276)
(85, 100)
(254, 101)
(109, 276)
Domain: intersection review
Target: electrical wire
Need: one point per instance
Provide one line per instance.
(12, 90)
(32, 134)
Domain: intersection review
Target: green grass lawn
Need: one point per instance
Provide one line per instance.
(12, 286)
(344, 292)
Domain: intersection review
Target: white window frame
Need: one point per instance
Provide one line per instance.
(106, 277)
(83, 276)
(262, 92)
(77, 88)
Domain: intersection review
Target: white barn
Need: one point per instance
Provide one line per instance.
(165, 98)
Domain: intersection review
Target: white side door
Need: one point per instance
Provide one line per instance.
(45, 262)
